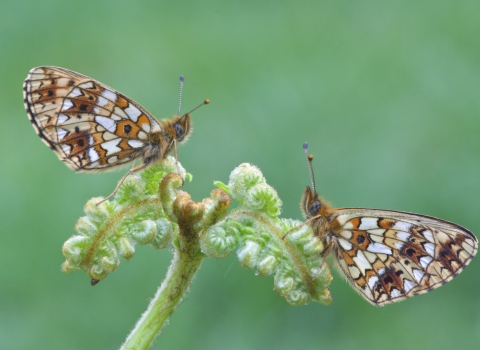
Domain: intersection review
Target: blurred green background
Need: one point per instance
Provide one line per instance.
(386, 93)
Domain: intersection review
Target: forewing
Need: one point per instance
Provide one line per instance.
(90, 126)
(389, 255)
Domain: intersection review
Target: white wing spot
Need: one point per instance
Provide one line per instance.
(155, 127)
(408, 285)
(87, 85)
(133, 112)
(362, 262)
(403, 236)
(118, 111)
(67, 104)
(398, 245)
(425, 261)
(342, 220)
(111, 146)
(402, 226)
(370, 257)
(376, 238)
(107, 123)
(428, 235)
(379, 248)
(135, 143)
(354, 271)
(146, 127)
(112, 160)
(430, 248)
(61, 133)
(368, 224)
(345, 244)
(372, 281)
(395, 293)
(377, 231)
(93, 155)
(62, 118)
(75, 92)
(66, 149)
(141, 135)
(107, 136)
(417, 274)
(109, 95)
(346, 234)
(383, 257)
(101, 101)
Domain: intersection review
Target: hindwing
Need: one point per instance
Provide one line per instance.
(388, 256)
(90, 126)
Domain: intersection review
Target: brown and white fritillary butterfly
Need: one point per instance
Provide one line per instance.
(94, 128)
(388, 255)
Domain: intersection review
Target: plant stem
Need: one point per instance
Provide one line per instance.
(186, 262)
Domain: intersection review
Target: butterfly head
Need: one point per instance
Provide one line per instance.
(310, 204)
(182, 127)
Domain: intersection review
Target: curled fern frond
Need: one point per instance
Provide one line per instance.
(110, 230)
(256, 233)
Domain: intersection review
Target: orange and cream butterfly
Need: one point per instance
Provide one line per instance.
(94, 128)
(388, 255)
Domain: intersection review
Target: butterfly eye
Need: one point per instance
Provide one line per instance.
(314, 207)
(178, 129)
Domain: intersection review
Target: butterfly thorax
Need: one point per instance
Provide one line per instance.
(156, 149)
(162, 142)
(178, 128)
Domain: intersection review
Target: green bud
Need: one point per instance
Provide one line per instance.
(248, 254)
(244, 177)
(144, 232)
(264, 198)
(164, 234)
(219, 242)
(74, 249)
(297, 298)
(97, 272)
(85, 226)
(132, 190)
(125, 247)
(283, 283)
(109, 258)
(267, 265)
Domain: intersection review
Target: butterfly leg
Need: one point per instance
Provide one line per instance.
(176, 154)
(297, 227)
(134, 169)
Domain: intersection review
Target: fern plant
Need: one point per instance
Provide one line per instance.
(150, 208)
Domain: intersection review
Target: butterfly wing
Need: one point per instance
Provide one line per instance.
(388, 256)
(90, 126)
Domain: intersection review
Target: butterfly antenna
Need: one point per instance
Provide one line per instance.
(310, 169)
(182, 80)
(206, 102)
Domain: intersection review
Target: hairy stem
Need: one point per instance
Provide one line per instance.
(186, 262)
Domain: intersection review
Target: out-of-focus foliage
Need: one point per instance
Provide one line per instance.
(386, 94)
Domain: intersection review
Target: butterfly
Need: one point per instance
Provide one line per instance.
(388, 256)
(94, 128)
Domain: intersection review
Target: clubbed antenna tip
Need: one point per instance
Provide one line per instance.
(206, 102)
(310, 169)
